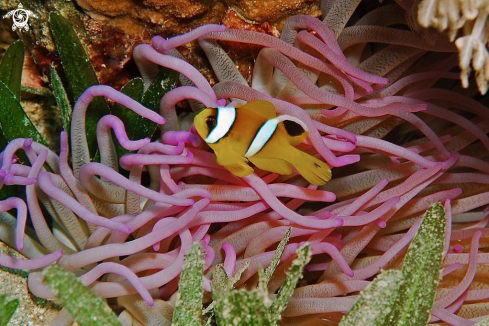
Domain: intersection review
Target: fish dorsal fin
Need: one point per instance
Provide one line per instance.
(260, 107)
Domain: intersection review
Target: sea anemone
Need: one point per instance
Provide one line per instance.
(398, 139)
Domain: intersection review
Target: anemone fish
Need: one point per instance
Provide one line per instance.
(253, 132)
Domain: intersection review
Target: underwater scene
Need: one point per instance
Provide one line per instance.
(238, 162)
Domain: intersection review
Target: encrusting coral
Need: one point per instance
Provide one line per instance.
(397, 142)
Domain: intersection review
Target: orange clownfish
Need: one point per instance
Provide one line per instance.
(253, 132)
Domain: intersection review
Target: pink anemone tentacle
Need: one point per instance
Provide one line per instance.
(80, 155)
(32, 264)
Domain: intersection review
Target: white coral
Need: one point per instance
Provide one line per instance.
(466, 17)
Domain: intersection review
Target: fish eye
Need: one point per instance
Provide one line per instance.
(211, 122)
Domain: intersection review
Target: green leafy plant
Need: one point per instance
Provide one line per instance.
(19, 125)
(231, 306)
(7, 309)
(84, 306)
(406, 297)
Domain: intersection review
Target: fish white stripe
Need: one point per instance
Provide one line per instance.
(225, 119)
(262, 137)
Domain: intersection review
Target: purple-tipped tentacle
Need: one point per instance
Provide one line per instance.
(176, 137)
(230, 260)
(262, 189)
(67, 174)
(128, 160)
(170, 99)
(387, 147)
(145, 52)
(222, 65)
(43, 232)
(80, 153)
(47, 185)
(108, 155)
(159, 225)
(279, 61)
(90, 256)
(323, 247)
(371, 216)
(92, 184)
(162, 45)
(363, 199)
(339, 61)
(156, 280)
(245, 194)
(20, 206)
(33, 263)
(180, 172)
(14, 145)
(162, 149)
(114, 268)
(374, 268)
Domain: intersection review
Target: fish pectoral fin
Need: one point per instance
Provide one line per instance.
(230, 157)
(239, 169)
(276, 165)
(226, 154)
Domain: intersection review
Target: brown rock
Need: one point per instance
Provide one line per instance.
(131, 22)
(275, 12)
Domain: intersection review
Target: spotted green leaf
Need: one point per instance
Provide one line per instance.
(293, 276)
(375, 302)
(188, 305)
(278, 254)
(240, 307)
(421, 271)
(7, 309)
(84, 306)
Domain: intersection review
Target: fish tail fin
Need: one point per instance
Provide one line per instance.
(312, 169)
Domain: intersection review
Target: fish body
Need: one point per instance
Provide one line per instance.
(252, 132)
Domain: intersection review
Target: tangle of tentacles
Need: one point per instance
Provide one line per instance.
(397, 142)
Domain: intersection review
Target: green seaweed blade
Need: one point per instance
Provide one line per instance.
(79, 73)
(406, 297)
(276, 257)
(61, 99)
(188, 305)
(7, 309)
(376, 301)
(19, 125)
(421, 271)
(85, 307)
(293, 276)
(239, 307)
(11, 67)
